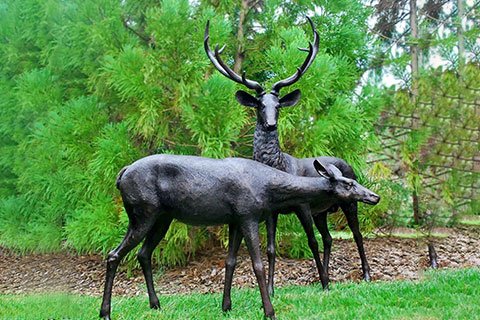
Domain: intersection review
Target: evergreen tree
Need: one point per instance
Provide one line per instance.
(88, 87)
(428, 139)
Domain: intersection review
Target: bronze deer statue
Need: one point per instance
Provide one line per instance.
(203, 191)
(266, 149)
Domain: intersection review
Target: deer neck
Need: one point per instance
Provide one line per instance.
(294, 190)
(266, 148)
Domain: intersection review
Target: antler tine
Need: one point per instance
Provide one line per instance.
(312, 52)
(235, 77)
(244, 77)
(316, 41)
(224, 68)
(221, 49)
(209, 51)
(230, 73)
(308, 61)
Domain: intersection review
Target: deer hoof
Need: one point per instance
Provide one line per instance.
(271, 292)
(366, 277)
(226, 306)
(155, 305)
(105, 315)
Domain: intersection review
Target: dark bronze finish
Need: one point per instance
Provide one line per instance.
(229, 73)
(267, 150)
(203, 191)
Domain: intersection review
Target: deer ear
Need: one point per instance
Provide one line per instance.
(246, 99)
(334, 171)
(290, 99)
(323, 170)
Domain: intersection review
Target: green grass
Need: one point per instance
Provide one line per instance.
(441, 295)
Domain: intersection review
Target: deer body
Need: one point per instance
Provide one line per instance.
(202, 191)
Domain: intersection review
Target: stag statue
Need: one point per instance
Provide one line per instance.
(203, 191)
(266, 149)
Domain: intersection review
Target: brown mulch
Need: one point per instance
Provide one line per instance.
(389, 257)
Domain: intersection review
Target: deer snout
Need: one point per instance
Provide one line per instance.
(270, 126)
(372, 198)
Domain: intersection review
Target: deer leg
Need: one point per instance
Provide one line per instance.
(144, 256)
(350, 210)
(234, 241)
(271, 224)
(305, 217)
(250, 233)
(132, 238)
(321, 224)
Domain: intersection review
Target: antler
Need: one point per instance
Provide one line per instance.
(224, 68)
(312, 52)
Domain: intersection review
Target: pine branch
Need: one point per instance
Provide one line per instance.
(146, 39)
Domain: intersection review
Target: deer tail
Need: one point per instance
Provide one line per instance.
(119, 176)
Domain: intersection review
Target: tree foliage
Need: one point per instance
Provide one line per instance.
(429, 127)
(87, 87)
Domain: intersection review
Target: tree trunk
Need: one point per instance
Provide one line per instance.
(415, 72)
(414, 48)
(239, 55)
(461, 40)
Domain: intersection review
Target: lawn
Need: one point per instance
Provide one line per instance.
(446, 294)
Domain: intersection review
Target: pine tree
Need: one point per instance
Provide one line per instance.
(88, 87)
(427, 123)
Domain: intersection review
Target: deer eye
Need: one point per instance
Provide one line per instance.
(349, 186)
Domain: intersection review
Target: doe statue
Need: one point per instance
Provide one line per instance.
(203, 191)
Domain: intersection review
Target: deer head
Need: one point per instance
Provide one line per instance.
(343, 187)
(267, 104)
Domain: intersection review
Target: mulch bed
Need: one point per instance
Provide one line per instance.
(389, 257)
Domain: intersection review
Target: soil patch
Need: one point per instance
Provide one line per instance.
(389, 257)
